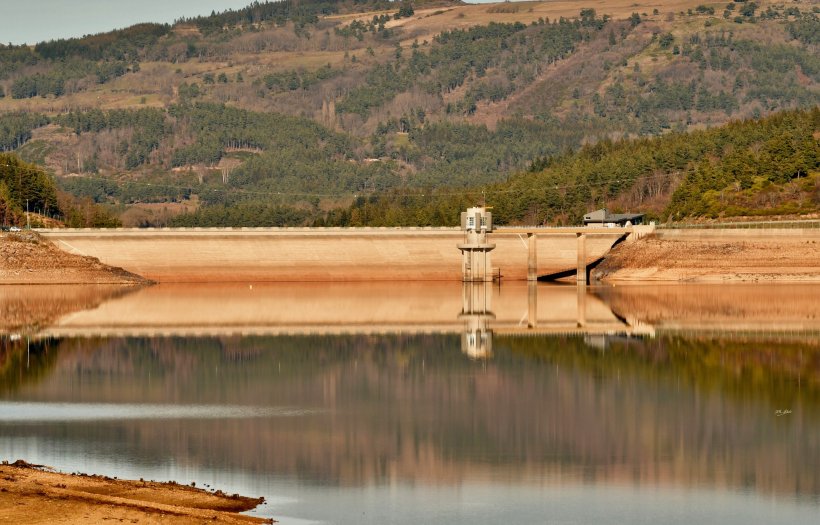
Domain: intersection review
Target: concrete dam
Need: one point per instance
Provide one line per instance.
(322, 254)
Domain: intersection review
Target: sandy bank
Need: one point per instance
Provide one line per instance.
(732, 255)
(27, 259)
(33, 495)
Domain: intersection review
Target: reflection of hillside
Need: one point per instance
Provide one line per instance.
(766, 370)
(412, 408)
(27, 308)
(24, 362)
(757, 307)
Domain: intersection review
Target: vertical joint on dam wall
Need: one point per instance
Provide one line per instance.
(476, 261)
(532, 257)
(581, 269)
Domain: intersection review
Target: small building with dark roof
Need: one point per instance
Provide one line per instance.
(603, 217)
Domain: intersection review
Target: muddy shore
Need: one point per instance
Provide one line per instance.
(29, 494)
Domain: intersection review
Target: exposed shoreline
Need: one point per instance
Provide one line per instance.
(25, 258)
(715, 256)
(34, 494)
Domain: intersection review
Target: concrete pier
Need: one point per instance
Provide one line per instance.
(532, 257)
(581, 267)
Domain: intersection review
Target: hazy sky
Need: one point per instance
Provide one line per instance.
(32, 21)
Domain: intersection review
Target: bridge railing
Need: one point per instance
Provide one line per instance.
(808, 223)
(253, 229)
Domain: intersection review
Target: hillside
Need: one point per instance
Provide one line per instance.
(766, 167)
(286, 112)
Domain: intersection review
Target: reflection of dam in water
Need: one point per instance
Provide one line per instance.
(373, 392)
(301, 309)
(476, 310)
(480, 320)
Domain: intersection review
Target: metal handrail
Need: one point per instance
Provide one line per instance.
(807, 223)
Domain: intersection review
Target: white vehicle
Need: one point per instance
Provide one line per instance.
(14, 229)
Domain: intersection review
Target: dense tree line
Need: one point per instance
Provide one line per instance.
(150, 127)
(358, 28)
(22, 184)
(598, 175)
(120, 45)
(16, 128)
(243, 215)
(218, 127)
(12, 58)
(53, 82)
(38, 85)
(298, 78)
(95, 120)
(25, 186)
(464, 155)
(279, 12)
(106, 191)
(697, 174)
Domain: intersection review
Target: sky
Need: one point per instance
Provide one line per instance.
(32, 21)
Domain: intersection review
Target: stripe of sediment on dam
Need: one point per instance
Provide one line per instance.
(310, 254)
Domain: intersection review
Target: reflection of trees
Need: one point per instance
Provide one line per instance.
(24, 362)
(413, 408)
(782, 373)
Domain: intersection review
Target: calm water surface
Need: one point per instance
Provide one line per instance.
(436, 404)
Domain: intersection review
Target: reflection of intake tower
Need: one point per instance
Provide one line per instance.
(475, 250)
(476, 312)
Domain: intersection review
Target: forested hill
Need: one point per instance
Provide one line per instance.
(287, 110)
(745, 168)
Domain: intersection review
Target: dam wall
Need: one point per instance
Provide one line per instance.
(313, 254)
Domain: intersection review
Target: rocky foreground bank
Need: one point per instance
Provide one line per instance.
(35, 495)
(740, 255)
(25, 258)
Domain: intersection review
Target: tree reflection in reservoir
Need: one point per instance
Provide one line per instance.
(679, 408)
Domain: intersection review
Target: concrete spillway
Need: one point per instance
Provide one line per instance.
(313, 254)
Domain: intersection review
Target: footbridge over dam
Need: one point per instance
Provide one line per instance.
(330, 254)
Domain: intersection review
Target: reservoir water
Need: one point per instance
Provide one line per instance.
(431, 403)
